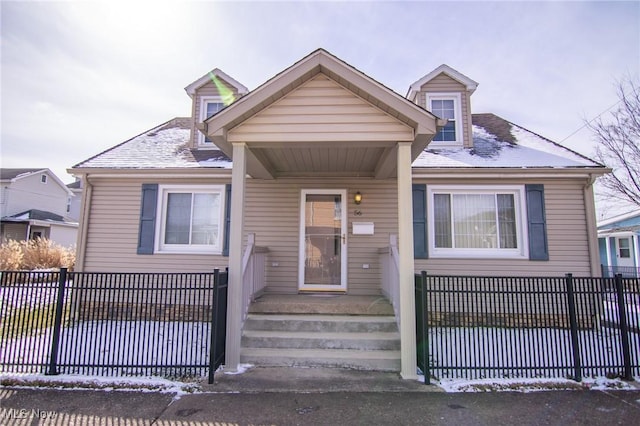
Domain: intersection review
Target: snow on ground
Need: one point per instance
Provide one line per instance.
(79, 381)
(159, 345)
(483, 351)
(533, 385)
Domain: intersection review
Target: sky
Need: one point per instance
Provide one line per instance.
(80, 77)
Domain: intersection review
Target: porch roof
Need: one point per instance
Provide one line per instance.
(349, 124)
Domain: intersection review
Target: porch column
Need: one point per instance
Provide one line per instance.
(406, 265)
(234, 295)
(636, 253)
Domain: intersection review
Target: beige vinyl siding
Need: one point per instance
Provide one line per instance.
(206, 90)
(566, 234)
(445, 84)
(321, 110)
(13, 231)
(112, 235)
(273, 214)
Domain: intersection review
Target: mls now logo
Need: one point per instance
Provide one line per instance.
(24, 413)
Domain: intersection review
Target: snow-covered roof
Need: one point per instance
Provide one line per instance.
(165, 146)
(498, 143)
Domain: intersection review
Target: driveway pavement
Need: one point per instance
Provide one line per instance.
(282, 397)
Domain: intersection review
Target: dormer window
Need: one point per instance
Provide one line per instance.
(209, 106)
(445, 105)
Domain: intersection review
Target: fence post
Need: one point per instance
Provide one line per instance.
(57, 324)
(624, 327)
(577, 368)
(421, 341)
(425, 331)
(212, 334)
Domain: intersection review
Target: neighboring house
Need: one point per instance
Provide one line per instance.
(619, 243)
(35, 204)
(326, 166)
(74, 205)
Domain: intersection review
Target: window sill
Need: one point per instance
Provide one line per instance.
(488, 256)
(186, 251)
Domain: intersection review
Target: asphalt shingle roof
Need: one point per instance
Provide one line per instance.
(498, 143)
(7, 174)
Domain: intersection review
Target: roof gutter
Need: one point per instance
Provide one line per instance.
(592, 226)
(85, 208)
(590, 173)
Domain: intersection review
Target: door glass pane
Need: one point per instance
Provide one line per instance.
(323, 239)
(625, 247)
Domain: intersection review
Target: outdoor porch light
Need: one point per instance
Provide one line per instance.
(357, 198)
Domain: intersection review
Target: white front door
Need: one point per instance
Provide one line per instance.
(323, 240)
(624, 250)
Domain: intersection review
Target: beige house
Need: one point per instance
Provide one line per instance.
(337, 185)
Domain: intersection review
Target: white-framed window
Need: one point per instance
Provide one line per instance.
(449, 106)
(43, 179)
(209, 105)
(191, 219)
(467, 221)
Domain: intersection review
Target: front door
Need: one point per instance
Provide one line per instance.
(323, 240)
(624, 252)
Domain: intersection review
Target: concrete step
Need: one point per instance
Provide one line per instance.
(327, 304)
(323, 323)
(334, 358)
(371, 341)
(363, 342)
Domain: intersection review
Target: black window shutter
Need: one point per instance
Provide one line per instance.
(227, 220)
(147, 229)
(537, 224)
(420, 221)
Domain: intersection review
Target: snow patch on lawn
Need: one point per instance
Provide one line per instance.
(83, 382)
(531, 385)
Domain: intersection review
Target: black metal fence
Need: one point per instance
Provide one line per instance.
(625, 271)
(489, 327)
(165, 324)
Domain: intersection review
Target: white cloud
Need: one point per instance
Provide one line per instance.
(79, 77)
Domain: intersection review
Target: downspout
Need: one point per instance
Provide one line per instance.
(85, 208)
(592, 227)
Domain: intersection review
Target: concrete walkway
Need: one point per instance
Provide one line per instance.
(316, 397)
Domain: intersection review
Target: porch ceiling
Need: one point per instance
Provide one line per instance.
(330, 160)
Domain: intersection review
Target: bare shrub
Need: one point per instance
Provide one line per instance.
(35, 254)
(11, 255)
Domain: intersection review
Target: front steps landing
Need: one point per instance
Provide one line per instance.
(324, 304)
(336, 331)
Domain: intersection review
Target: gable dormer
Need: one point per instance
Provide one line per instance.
(209, 94)
(447, 94)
